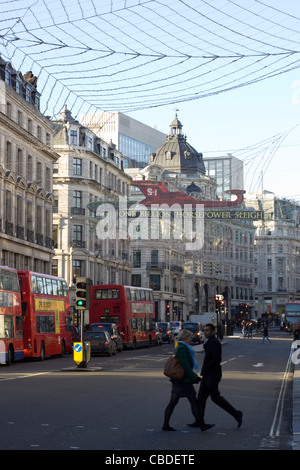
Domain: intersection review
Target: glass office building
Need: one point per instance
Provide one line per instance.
(132, 138)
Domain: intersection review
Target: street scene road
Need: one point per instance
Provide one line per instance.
(52, 405)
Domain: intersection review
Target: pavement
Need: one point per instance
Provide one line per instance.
(296, 400)
(295, 358)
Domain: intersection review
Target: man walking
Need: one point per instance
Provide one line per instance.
(211, 373)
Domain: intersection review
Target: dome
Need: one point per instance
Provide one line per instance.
(176, 154)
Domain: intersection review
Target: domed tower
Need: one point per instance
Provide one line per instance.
(176, 154)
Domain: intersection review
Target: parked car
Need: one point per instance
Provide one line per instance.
(195, 328)
(101, 342)
(165, 330)
(176, 326)
(112, 330)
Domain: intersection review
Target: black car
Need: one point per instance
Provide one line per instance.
(195, 328)
(101, 342)
(163, 327)
(112, 330)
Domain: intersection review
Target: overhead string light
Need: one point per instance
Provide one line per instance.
(128, 56)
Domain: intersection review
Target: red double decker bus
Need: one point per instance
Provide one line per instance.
(46, 311)
(132, 309)
(11, 321)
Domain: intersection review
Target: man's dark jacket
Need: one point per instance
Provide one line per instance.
(213, 357)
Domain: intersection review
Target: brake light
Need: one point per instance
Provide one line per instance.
(106, 343)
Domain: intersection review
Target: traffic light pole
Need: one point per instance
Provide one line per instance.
(83, 364)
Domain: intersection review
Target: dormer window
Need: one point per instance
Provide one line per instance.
(19, 86)
(28, 93)
(90, 143)
(73, 137)
(168, 155)
(7, 77)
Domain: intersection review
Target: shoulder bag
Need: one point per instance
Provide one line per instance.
(173, 369)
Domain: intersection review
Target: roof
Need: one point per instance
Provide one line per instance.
(176, 154)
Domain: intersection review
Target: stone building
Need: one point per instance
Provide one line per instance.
(26, 164)
(277, 252)
(88, 172)
(185, 282)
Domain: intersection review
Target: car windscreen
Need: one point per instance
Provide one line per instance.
(190, 326)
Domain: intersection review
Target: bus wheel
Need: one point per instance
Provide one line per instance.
(42, 353)
(10, 355)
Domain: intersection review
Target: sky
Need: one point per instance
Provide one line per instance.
(231, 69)
(232, 121)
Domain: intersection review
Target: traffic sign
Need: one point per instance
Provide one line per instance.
(78, 353)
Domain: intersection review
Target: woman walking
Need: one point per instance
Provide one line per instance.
(185, 388)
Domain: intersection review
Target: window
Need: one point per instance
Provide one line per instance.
(154, 257)
(28, 93)
(8, 110)
(77, 166)
(77, 199)
(78, 268)
(269, 283)
(137, 259)
(7, 76)
(45, 323)
(154, 281)
(73, 137)
(55, 205)
(90, 143)
(20, 162)
(136, 280)
(77, 234)
(19, 86)
(20, 118)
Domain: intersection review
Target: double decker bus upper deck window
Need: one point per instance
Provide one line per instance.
(107, 294)
(48, 286)
(8, 280)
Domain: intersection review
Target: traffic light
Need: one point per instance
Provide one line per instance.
(82, 293)
(167, 309)
(217, 304)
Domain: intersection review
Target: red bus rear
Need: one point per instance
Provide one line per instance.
(131, 308)
(47, 320)
(11, 321)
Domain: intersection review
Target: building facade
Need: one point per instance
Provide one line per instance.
(133, 139)
(88, 173)
(26, 164)
(228, 172)
(277, 252)
(185, 282)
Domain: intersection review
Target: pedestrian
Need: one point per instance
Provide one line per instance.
(211, 373)
(185, 388)
(266, 334)
(246, 331)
